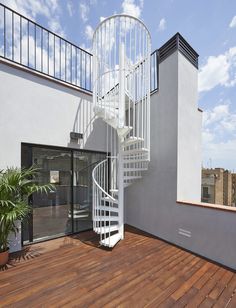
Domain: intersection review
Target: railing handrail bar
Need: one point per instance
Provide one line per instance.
(88, 166)
(96, 183)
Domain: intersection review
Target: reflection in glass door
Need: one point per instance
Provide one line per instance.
(83, 164)
(51, 211)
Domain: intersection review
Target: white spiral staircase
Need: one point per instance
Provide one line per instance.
(121, 97)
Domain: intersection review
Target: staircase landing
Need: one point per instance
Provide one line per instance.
(140, 271)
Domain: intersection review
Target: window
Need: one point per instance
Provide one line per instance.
(205, 192)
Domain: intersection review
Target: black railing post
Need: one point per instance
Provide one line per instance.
(60, 58)
(81, 63)
(28, 41)
(4, 22)
(12, 39)
(42, 50)
(35, 45)
(85, 63)
(54, 47)
(71, 63)
(76, 66)
(48, 53)
(65, 59)
(20, 39)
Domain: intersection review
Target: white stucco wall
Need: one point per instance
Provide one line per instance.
(189, 133)
(175, 172)
(36, 110)
(147, 200)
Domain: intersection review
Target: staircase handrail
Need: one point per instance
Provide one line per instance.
(96, 183)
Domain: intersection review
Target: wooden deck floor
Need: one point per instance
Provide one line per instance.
(141, 271)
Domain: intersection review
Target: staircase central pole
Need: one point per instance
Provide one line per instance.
(121, 115)
(121, 189)
(120, 139)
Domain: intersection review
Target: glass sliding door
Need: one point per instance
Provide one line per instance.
(68, 209)
(51, 211)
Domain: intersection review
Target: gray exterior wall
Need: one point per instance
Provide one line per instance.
(175, 172)
(36, 110)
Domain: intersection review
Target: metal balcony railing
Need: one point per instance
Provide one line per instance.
(26, 43)
(30, 45)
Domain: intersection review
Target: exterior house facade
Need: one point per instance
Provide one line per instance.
(234, 189)
(217, 186)
(49, 121)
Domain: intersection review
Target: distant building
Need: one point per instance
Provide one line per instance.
(218, 186)
(233, 189)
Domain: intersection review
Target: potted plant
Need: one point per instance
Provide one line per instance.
(16, 185)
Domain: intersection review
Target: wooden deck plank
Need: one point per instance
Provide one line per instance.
(203, 280)
(226, 295)
(190, 282)
(185, 299)
(140, 271)
(206, 289)
(153, 287)
(176, 281)
(232, 301)
(137, 291)
(110, 288)
(221, 285)
(95, 285)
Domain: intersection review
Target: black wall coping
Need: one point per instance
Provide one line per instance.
(177, 42)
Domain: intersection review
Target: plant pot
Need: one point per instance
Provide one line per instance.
(4, 257)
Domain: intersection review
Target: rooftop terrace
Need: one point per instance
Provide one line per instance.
(141, 271)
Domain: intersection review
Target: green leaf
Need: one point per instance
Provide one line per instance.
(16, 186)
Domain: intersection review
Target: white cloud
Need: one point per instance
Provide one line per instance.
(32, 9)
(129, 7)
(84, 11)
(219, 136)
(55, 26)
(141, 2)
(85, 7)
(221, 119)
(221, 154)
(89, 32)
(218, 113)
(162, 25)
(70, 8)
(102, 18)
(207, 136)
(233, 22)
(88, 49)
(218, 70)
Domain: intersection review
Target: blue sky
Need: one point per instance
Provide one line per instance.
(209, 26)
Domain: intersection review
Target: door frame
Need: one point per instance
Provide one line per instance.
(30, 163)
